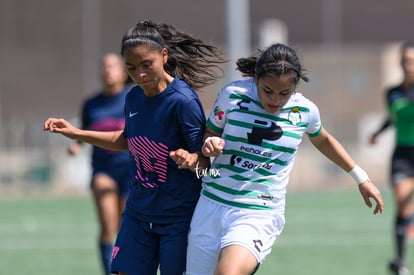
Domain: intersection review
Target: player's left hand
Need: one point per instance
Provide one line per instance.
(369, 190)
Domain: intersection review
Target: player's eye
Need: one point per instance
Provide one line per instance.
(267, 91)
(286, 92)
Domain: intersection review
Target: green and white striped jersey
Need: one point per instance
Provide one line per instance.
(260, 147)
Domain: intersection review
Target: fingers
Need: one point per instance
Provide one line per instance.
(60, 126)
(47, 124)
(368, 191)
(380, 205)
(52, 124)
(183, 158)
(368, 202)
(379, 208)
(213, 146)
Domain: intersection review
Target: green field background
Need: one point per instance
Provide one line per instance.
(326, 233)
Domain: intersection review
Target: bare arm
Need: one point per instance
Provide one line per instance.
(112, 140)
(385, 124)
(335, 152)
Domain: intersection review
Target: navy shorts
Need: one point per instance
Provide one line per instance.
(142, 247)
(120, 174)
(402, 166)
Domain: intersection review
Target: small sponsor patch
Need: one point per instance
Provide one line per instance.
(218, 113)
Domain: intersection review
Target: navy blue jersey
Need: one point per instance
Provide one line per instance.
(173, 119)
(105, 113)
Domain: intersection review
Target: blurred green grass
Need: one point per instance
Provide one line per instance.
(325, 233)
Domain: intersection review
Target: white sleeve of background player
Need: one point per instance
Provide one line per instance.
(218, 114)
(315, 124)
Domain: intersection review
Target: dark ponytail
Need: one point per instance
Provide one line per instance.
(190, 58)
(278, 59)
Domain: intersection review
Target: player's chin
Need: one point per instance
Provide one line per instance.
(272, 109)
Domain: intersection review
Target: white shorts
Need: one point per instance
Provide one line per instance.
(215, 226)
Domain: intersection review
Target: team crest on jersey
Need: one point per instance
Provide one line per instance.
(218, 113)
(294, 116)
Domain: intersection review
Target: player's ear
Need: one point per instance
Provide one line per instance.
(164, 53)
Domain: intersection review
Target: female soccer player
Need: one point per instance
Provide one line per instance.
(253, 131)
(400, 102)
(164, 132)
(104, 111)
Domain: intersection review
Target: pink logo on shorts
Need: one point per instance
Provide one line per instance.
(115, 252)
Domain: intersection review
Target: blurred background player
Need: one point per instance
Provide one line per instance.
(110, 171)
(400, 102)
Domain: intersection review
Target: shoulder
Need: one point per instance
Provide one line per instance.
(93, 99)
(394, 92)
(134, 92)
(125, 91)
(240, 86)
(298, 99)
(244, 88)
(304, 112)
(394, 88)
(182, 91)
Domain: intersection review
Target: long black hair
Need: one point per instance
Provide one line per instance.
(189, 58)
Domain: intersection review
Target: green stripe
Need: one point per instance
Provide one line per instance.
(302, 124)
(245, 124)
(235, 139)
(231, 168)
(262, 171)
(264, 144)
(238, 96)
(316, 133)
(267, 116)
(232, 191)
(278, 148)
(213, 127)
(236, 204)
(292, 135)
(259, 180)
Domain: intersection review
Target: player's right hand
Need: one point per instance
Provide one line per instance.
(60, 126)
(213, 146)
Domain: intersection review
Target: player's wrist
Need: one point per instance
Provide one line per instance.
(211, 138)
(358, 174)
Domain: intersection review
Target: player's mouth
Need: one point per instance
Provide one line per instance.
(273, 108)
